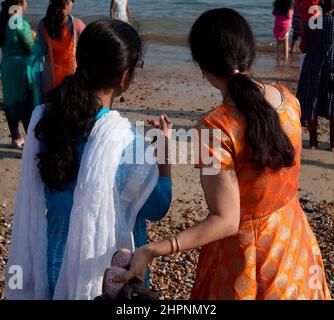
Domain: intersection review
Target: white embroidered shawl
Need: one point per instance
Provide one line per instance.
(98, 224)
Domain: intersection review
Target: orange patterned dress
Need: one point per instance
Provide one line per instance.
(275, 254)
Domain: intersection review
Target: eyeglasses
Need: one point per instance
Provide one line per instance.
(140, 64)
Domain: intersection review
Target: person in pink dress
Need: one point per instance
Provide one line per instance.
(283, 12)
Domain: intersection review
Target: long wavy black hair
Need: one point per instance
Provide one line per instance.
(221, 41)
(54, 18)
(4, 17)
(106, 49)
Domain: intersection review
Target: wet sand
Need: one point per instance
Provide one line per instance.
(175, 86)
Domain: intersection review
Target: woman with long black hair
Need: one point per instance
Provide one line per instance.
(256, 241)
(16, 42)
(57, 38)
(89, 180)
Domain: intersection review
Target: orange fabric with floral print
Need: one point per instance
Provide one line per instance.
(275, 254)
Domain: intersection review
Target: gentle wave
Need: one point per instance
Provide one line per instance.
(173, 18)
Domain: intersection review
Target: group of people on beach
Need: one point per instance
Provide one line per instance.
(78, 201)
(316, 84)
(25, 53)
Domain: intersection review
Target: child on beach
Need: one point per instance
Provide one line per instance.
(119, 9)
(283, 12)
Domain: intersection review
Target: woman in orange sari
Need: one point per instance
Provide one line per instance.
(256, 241)
(57, 38)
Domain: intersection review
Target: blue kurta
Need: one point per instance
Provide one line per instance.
(59, 205)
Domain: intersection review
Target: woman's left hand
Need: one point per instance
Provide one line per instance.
(164, 124)
(140, 260)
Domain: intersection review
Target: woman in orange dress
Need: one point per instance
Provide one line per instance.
(256, 241)
(57, 38)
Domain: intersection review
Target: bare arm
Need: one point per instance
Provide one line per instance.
(128, 11)
(165, 168)
(165, 125)
(223, 199)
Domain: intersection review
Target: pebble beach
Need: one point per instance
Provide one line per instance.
(176, 87)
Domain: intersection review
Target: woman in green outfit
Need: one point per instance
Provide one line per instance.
(16, 41)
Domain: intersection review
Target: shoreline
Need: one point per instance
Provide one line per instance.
(171, 83)
(265, 44)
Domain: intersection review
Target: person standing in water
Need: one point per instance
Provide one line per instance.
(283, 12)
(120, 10)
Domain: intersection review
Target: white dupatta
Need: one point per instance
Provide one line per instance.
(98, 225)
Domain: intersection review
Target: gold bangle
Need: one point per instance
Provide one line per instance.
(174, 244)
(171, 245)
(178, 244)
